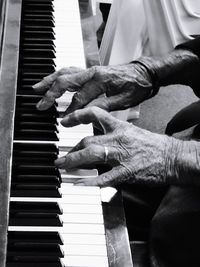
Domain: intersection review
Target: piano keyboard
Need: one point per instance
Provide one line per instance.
(51, 223)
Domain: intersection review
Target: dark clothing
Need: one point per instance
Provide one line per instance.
(175, 228)
(191, 76)
(193, 45)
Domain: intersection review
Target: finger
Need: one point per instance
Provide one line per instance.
(91, 155)
(103, 140)
(112, 103)
(87, 156)
(91, 115)
(47, 81)
(88, 92)
(113, 177)
(65, 82)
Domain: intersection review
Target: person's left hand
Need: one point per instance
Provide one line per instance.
(136, 155)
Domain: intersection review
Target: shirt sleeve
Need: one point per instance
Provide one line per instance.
(193, 73)
(193, 45)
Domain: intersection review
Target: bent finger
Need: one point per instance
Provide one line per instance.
(63, 83)
(87, 156)
(90, 91)
(112, 103)
(91, 115)
(47, 81)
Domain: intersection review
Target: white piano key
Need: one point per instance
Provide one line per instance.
(71, 199)
(85, 261)
(81, 218)
(76, 208)
(91, 239)
(80, 190)
(73, 174)
(67, 228)
(84, 250)
(71, 26)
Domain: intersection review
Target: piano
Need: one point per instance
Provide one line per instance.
(44, 219)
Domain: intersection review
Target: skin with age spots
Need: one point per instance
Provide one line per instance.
(124, 85)
(138, 156)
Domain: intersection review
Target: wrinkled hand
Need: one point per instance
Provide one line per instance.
(124, 85)
(136, 155)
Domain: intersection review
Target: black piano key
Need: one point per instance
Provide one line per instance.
(39, 1)
(35, 250)
(29, 16)
(23, 186)
(27, 27)
(20, 126)
(35, 147)
(34, 52)
(38, 12)
(28, 108)
(40, 263)
(34, 219)
(31, 73)
(37, 156)
(43, 35)
(31, 109)
(36, 40)
(40, 207)
(39, 21)
(42, 7)
(40, 67)
(33, 134)
(38, 60)
(43, 179)
(37, 237)
(36, 161)
(29, 80)
(34, 190)
(37, 117)
(34, 170)
(35, 193)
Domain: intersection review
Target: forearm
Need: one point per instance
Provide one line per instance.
(183, 162)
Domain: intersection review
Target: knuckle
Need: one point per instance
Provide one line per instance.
(94, 110)
(75, 115)
(104, 180)
(77, 98)
(86, 141)
(46, 80)
(59, 80)
(63, 71)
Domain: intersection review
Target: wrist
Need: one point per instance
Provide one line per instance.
(183, 162)
(170, 69)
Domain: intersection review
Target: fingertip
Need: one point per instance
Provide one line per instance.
(38, 86)
(44, 104)
(66, 121)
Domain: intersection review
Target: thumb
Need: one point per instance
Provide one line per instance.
(113, 177)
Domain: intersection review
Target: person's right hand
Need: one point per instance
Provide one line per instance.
(124, 85)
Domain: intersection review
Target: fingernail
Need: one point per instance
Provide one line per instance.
(59, 162)
(65, 121)
(41, 104)
(36, 86)
(44, 104)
